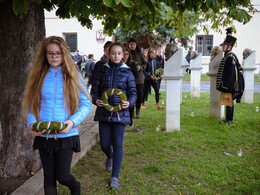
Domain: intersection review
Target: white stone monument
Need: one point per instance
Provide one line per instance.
(249, 68)
(215, 110)
(195, 68)
(173, 76)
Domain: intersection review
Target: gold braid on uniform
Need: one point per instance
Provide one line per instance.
(220, 70)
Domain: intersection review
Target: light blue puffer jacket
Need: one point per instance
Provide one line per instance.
(52, 104)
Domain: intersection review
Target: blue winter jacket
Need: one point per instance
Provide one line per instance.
(114, 76)
(52, 103)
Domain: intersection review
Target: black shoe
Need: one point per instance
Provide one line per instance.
(222, 122)
(229, 122)
(77, 190)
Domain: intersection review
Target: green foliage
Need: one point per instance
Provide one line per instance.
(126, 3)
(112, 3)
(171, 26)
(20, 7)
(126, 13)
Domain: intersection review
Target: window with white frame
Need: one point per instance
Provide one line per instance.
(204, 44)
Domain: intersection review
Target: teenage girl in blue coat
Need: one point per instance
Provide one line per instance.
(114, 74)
(55, 92)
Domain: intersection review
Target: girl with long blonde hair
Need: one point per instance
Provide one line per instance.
(55, 91)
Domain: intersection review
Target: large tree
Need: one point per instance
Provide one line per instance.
(172, 26)
(22, 28)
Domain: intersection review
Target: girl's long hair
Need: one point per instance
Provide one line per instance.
(129, 59)
(150, 50)
(39, 70)
(145, 56)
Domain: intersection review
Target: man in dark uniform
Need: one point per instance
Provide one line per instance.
(230, 80)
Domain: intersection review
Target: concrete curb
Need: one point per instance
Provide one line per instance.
(34, 185)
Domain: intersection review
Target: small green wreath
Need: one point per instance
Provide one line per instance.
(158, 73)
(109, 93)
(48, 127)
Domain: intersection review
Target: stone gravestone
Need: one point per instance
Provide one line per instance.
(249, 68)
(173, 77)
(215, 110)
(195, 68)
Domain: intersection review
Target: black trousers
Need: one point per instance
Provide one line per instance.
(154, 84)
(140, 91)
(229, 113)
(230, 110)
(159, 83)
(56, 167)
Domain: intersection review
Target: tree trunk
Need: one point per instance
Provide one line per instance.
(148, 36)
(19, 40)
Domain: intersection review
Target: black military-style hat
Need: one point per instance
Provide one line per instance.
(230, 40)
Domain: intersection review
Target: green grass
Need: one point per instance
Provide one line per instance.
(256, 78)
(189, 161)
(205, 78)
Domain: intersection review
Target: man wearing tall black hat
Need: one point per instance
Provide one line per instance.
(230, 80)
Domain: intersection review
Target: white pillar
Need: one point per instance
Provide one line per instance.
(249, 68)
(173, 76)
(195, 67)
(215, 110)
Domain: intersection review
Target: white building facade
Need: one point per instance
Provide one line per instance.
(91, 41)
(248, 36)
(87, 41)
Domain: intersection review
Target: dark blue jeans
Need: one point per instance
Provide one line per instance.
(111, 142)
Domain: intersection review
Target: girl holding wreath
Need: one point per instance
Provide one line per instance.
(117, 76)
(151, 79)
(55, 92)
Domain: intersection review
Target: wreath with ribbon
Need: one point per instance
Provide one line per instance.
(111, 92)
(48, 127)
(158, 73)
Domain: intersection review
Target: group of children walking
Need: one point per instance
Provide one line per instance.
(55, 91)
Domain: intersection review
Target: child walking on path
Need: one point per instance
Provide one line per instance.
(114, 74)
(150, 78)
(55, 92)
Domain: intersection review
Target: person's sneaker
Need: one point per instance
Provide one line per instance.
(222, 122)
(109, 163)
(229, 122)
(114, 183)
(131, 124)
